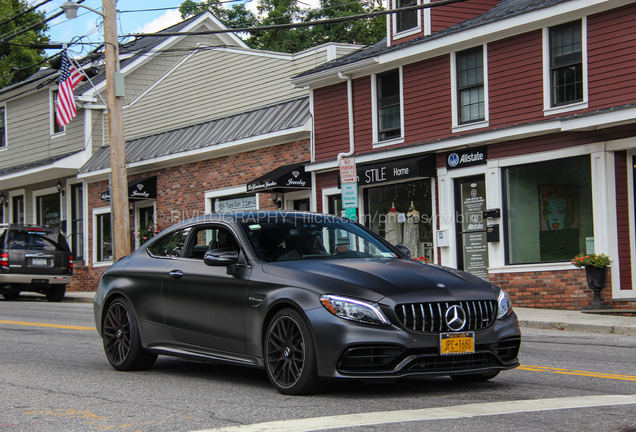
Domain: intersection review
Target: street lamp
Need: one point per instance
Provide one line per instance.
(119, 180)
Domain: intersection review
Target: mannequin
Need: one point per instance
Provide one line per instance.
(412, 231)
(393, 233)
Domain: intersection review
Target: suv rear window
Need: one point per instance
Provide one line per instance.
(36, 241)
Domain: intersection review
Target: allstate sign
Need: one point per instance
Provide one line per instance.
(467, 157)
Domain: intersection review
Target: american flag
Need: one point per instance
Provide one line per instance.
(69, 78)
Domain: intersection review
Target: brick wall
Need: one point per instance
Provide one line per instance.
(564, 289)
(181, 192)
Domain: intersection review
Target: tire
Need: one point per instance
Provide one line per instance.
(473, 378)
(56, 293)
(11, 295)
(290, 356)
(122, 343)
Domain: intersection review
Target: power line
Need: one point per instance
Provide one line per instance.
(24, 12)
(299, 24)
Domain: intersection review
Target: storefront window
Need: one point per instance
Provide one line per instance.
(104, 240)
(548, 211)
(48, 210)
(403, 214)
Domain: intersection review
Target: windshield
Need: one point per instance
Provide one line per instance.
(302, 237)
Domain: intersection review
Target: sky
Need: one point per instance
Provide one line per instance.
(135, 16)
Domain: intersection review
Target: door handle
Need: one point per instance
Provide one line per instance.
(176, 274)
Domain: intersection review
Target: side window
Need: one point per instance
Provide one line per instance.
(566, 63)
(3, 128)
(55, 127)
(470, 86)
(388, 105)
(405, 20)
(171, 245)
(209, 238)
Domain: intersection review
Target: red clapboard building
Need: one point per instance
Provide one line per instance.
(497, 137)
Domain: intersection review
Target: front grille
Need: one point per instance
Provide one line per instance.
(429, 317)
(451, 363)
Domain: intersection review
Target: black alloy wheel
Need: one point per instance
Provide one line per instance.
(122, 343)
(290, 357)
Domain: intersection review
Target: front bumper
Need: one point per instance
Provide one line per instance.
(35, 279)
(348, 349)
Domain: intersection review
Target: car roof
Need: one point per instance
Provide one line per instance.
(254, 215)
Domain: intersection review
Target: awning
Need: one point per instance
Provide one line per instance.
(285, 177)
(139, 189)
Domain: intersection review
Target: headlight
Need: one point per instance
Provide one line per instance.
(505, 305)
(354, 310)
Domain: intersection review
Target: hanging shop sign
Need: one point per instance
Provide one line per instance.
(139, 189)
(466, 157)
(395, 170)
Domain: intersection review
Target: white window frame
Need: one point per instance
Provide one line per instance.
(69, 222)
(374, 108)
(96, 212)
(290, 197)
(456, 126)
(547, 81)
(41, 192)
(12, 194)
(6, 143)
(632, 217)
(52, 116)
(411, 31)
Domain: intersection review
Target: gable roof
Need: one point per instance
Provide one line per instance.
(504, 10)
(276, 118)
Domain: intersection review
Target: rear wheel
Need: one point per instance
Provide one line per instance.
(56, 293)
(290, 357)
(11, 295)
(122, 343)
(475, 377)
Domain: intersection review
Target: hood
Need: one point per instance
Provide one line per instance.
(400, 280)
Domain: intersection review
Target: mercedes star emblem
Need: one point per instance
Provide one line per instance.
(455, 318)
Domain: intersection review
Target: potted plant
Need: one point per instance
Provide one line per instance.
(596, 273)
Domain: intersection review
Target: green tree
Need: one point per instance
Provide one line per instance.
(364, 31)
(17, 60)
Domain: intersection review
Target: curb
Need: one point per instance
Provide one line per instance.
(592, 328)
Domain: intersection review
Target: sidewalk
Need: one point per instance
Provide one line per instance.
(528, 317)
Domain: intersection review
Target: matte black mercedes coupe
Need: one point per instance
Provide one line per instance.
(308, 297)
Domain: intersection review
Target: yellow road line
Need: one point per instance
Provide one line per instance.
(61, 326)
(577, 372)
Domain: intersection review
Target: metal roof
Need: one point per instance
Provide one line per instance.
(505, 9)
(273, 118)
(35, 164)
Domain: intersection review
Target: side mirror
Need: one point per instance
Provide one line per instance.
(404, 250)
(221, 257)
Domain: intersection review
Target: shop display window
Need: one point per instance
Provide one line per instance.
(548, 211)
(402, 214)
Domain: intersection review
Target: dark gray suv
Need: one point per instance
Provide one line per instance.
(34, 258)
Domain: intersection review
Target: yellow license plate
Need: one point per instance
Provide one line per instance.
(457, 343)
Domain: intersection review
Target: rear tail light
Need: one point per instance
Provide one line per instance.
(4, 259)
(70, 261)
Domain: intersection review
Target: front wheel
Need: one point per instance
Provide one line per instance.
(290, 356)
(122, 343)
(472, 378)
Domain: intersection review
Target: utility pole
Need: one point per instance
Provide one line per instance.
(119, 176)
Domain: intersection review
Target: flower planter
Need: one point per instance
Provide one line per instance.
(596, 279)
